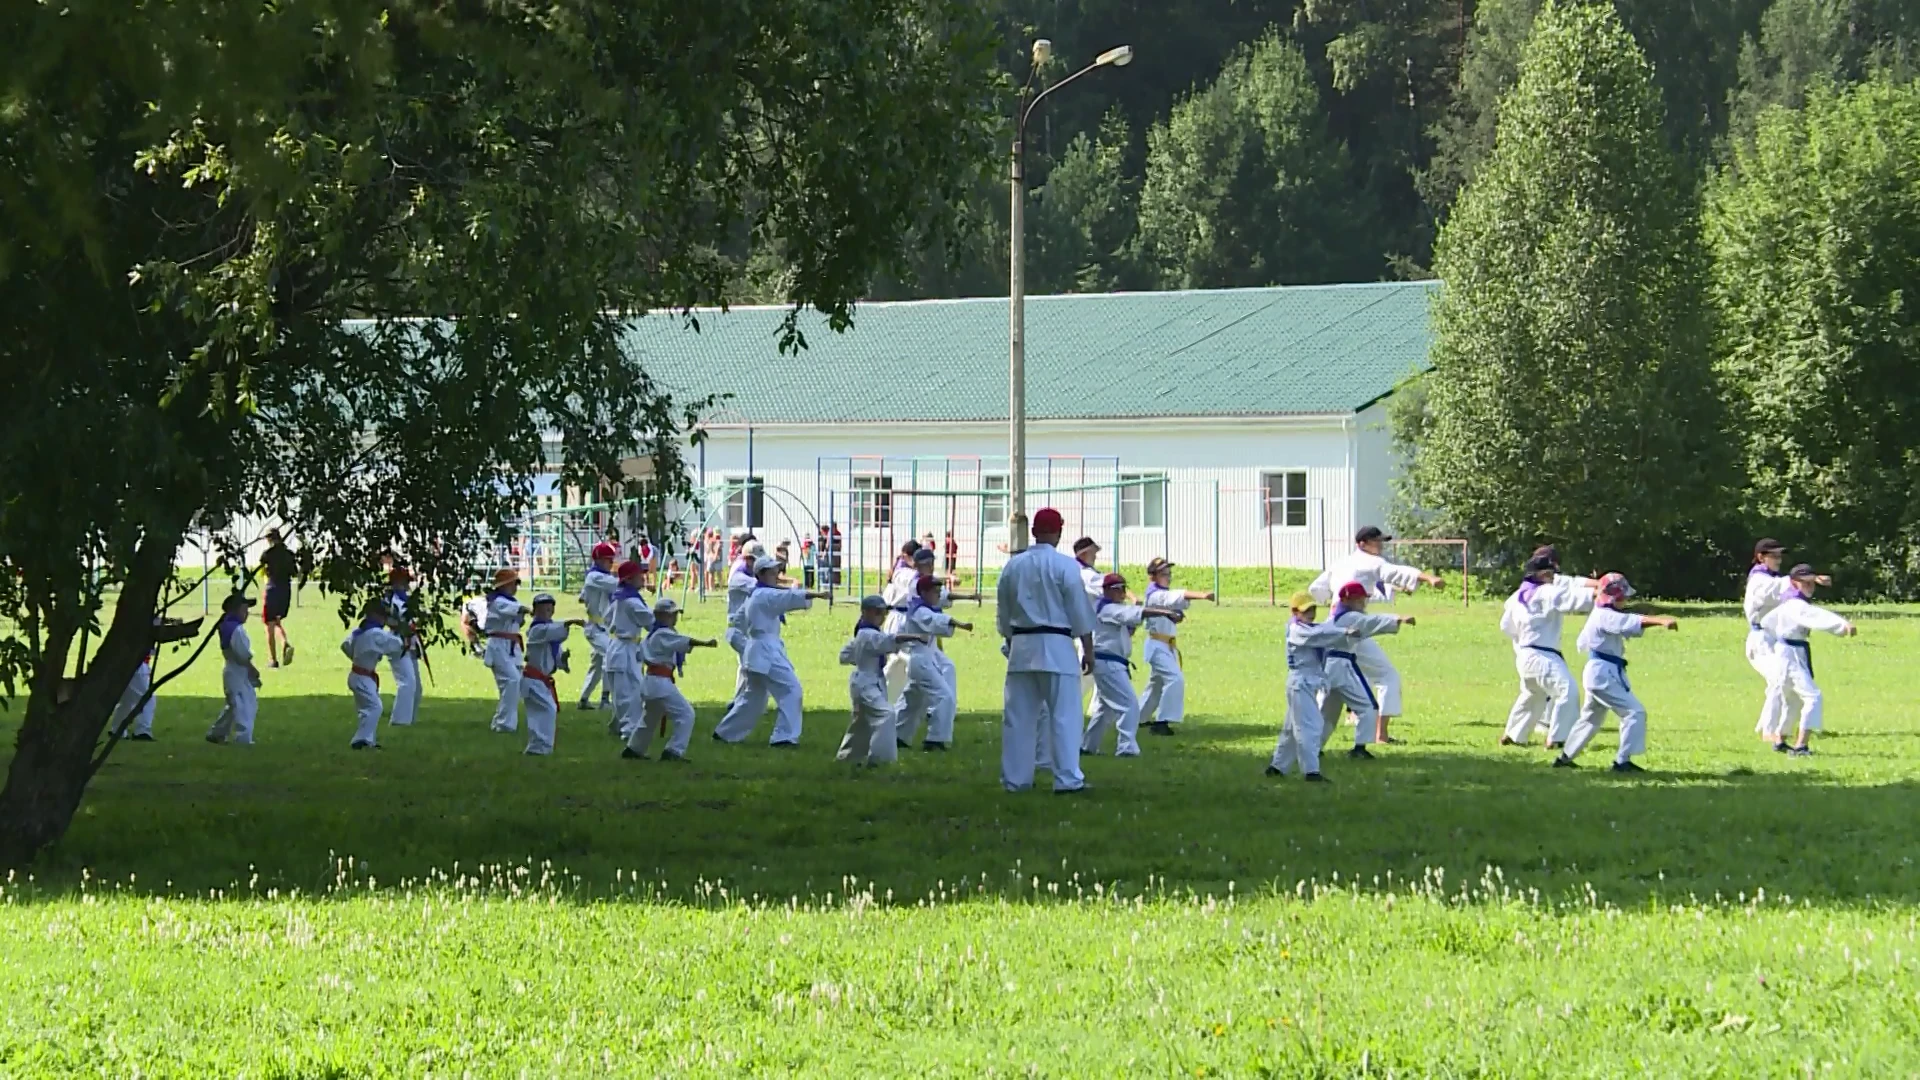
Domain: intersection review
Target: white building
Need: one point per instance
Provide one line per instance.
(1246, 425)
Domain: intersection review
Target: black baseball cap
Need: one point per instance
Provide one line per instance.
(1370, 533)
(1083, 544)
(1767, 545)
(1802, 570)
(1538, 563)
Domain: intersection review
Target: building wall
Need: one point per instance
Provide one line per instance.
(1213, 500)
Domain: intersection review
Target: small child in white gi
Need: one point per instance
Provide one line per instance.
(369, 643)
(546, 637)
(740, 586)
(768, 671)
(929, 695)
(1604, 640)
(596, 595)
(239, 678)
(1307, 645)
(663, 656)
(407, 688)
(141, 730)
(1789, 624)
(506, 648)
(1166, 697)
(901, 594)
(1115, 706)
(870, 734)
(1531, 620)
(1346, 684)
(628, 619)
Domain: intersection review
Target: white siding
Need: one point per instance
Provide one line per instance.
(1214, 500)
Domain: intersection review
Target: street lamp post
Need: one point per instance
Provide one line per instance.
(1017, 286)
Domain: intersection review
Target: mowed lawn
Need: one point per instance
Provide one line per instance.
(447, 906)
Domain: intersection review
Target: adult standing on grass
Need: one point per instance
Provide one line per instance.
(1789, 624)
(1043, 606)
(239, 678)
(407, 689)
(279, 564)
(1366, 565)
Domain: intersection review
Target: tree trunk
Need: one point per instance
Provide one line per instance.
(53, 755)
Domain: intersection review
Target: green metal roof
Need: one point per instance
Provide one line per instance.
(1230, 352)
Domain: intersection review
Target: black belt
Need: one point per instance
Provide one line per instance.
(1617, 661)
(1544, 649)
(1023, 631)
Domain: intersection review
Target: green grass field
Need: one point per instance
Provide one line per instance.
(449, 907)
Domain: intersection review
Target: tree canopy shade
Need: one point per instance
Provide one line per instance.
(1816, 232)
(197, 197)
(1571, 397)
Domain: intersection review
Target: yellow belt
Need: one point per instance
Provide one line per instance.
(1171, 642)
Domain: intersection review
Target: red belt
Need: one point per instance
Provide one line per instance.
(535, 673)
(368, 672)
(665, 671)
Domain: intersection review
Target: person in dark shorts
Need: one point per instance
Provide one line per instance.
(279, 564)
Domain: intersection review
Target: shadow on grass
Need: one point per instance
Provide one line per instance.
(1195, 812)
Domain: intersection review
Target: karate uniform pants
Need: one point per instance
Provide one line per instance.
(1607, 690)
(243, 702)
(367, 706)
(1765, 659)
(1166, 698)
(928, 698)
(783, 686)
(1381, 675)
(663, 706)
(870, 737)
(1546, 697)
(407, 690)
(1029, 695)
(1346, 687)
(737, 641)
(505, 662)
(897, 673)
(1800, 696)
(543, 715)
(623, 690)
(1115, 708)
(1300, 734)
(599, 641)
(136, 689)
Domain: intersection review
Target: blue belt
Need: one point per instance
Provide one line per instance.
(1619, 662)
(1544, 649)
(1354, 662)
(1023, 631)
(1806, 650)
(1115, 657)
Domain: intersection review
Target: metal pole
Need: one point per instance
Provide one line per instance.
(752, 519)
(1017, 349)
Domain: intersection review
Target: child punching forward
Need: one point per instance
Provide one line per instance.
(1115, 705)
(1346, 684)
(1604, 640)
(369, 643)
(1789, 624)
(870, 736)
(1307, 645)
(663, 655)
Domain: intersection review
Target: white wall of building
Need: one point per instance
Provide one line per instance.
(1214, 499)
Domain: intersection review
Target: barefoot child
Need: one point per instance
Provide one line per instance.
(1604, 640)
(1307, 645)
(663, 656)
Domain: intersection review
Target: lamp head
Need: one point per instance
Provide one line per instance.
(1042, 51)
(1119, 56)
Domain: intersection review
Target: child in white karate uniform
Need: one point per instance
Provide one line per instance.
(1307, 643)
(369, 643)
(929, 695)
(768, 671)
(596, 595)
(902, 597)
(1604, 640)
(141, 730)
(870, 734)
(628, 619)
(1116, 707)
(239, 678)
(546, 638)
(1166, 697)
(506, 648)
(1789, 624)
(1531, 619)
(663, 656)
(1347, 684)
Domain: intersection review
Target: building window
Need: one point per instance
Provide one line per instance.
(738, 504)
(1143, 501)
(1286, 498)
(994, 508)
(873, 501)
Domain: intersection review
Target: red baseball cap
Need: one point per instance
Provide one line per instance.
(1048, 520)
(604, 550)
(1353, 590)
(628, 569)
(1111, 580)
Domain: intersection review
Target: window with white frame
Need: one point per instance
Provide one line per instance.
(738, 503)
(873, 501)
(1143, 500)
(1286, 498)
(994, 508)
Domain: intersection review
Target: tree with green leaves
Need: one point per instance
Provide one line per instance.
(1804, 44)
(1572, 397)
(1085, 215)
(1244, 186)
(1815, 231)
(220, 224)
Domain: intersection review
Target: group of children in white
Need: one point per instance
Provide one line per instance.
(902, 683)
